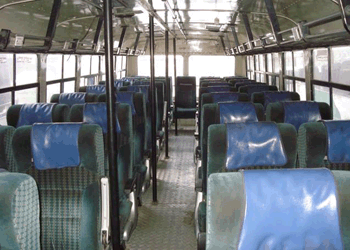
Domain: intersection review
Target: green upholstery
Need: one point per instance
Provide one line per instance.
(6, 152)
(89, 98)
(60, 113)
(217, 148)
(19, 212)
(202, 214)
(70, 199)
(312, 147)
(211, 115)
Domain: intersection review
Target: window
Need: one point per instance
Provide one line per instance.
(269, 63)
(262, 62)
(6, 72)
(320, 66)
(301, 89)
(288, 62)
(26, 96)
(69, 87)
(26, 69)
(288, 85)
(299, 69)
(276, 63)
(85, 65)
(340, 65)
(95, 64)
(5, 103)
(69, 66)
(51, 90)
(54, 67)
(257, 65)
(341, 101)
(321, 94)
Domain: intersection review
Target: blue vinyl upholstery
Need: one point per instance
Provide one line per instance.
(96, 113)
(274, 96)
(232, 112)
(96, 89)
(225, 97)
(142, 89)
(254, 144)
(253, 88)
(49, 139)
(32, 113)
(297, 113)
(274, 209)
(126, 97)
(338, 146)
(213, 89)
(72, 98)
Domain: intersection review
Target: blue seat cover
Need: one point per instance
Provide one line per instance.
(231, 112)
(338, 146)
(297, 113)
(212, 89)
(96, 89)
(274, 96)
(126, 97)
(32, 113)
(72, 98)
(55, 145)
(257, 88)
(290, 209)
(96, 113)
(254, 144)
(225, 97)
(141, 89)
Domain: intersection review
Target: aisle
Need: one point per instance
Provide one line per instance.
(170, 223)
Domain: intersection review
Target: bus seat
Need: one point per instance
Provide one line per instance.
(278, 209)
(245, 83)
(324, 144)
(28, 114)
(267, 97)
(95, 89)
(297, 113)
(19, 212)
(73, 98)
(67, 163)
(6, 152)
(220, 113)
(253, 88)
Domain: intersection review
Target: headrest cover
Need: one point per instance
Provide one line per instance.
(212, 89)
(297, 113)
(274, 96)
(32, 113)
(338, 146)
(290, 209)
(225, 97)
(254, 144)
(256, 88)
(128, 98)
(140, 88)
(55, 145)
(231, 112)
(96, 89)
(96, 113)
(72, 98)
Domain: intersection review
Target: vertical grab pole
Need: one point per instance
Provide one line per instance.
(167, 86)
(111, 122)
(153, 110)
(175, 84)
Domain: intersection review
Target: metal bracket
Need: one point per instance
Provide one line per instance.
(345, 11)
(273, 20)
(51, 28)
(4, 38)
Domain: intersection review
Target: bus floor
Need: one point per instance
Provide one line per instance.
(169, 224)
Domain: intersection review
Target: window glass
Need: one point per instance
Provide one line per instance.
(262, 78)
(6, 72)
(51, 90)
(288, 63)
(5, 103)
(321, 94)
(262, 62)
(94, 64)
(320, 67)
(340, 65)
(276, 63)
(54, 67)
(69, 87)
(124, 62)
(248, 64)
(251, 62)
(103, 65)
(277, 82)
(269, 63)
(288, 85)
(301, 89)
(341, 101)
(257, 65)
(85, 65)
(26, 69)
(119, 67)
(69, 66)
(26, 96)
(257, 77)
(299, 69)
(82, 82)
